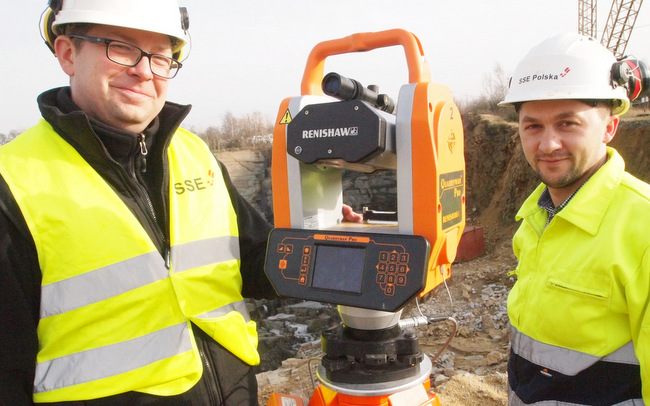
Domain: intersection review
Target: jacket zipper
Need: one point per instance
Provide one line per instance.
(141, 196)
(143, 168)
(164, 198)
(143, 153)
(209, 376)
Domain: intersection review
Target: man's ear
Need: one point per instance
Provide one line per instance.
(610, 128)
(65, 51)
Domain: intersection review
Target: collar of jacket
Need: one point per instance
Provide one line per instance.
(94, 139)
(588, 207)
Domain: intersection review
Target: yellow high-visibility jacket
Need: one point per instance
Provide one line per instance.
(583, 282)
(115, 315)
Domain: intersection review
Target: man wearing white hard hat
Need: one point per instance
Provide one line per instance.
(579, 310)
(125, 250)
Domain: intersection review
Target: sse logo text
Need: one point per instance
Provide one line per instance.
(544, 77)
(194, 185)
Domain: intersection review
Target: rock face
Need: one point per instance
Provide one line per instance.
(250, 172)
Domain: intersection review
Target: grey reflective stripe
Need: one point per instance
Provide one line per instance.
(111, 360)
(115, 279)
(203, 252)
(624, 355)
(239, 307)
(564, 360)
(100, 284)
(513, 400)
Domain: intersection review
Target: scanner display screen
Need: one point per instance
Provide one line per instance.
(339, 268)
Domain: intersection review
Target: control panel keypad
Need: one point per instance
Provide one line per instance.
(392, 270)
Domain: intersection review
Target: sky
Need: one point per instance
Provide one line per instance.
(248, 55)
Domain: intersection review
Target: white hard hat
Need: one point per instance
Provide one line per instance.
(161, 16)
(567, 66)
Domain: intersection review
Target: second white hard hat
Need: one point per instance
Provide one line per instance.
(567, 66)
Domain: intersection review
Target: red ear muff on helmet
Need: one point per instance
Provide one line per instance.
(47, 19)
(633, 75)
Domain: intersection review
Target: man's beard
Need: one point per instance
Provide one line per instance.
(567, 179)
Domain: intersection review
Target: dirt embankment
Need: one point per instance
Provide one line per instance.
(472, 370)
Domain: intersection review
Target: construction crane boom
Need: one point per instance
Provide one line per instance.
(587, 18)
(620, 22)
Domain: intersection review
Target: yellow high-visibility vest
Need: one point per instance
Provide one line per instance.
(115, 315)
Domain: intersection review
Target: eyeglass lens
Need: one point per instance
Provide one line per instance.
(129, 55)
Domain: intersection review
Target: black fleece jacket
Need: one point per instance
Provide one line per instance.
(142, 183)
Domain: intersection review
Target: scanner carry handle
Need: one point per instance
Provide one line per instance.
(361, 42)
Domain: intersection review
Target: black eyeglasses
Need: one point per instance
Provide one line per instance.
(127, 54)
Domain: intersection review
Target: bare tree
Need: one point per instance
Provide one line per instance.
(495, 84)
(229, 126)
(212, 137)
(495, 88)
